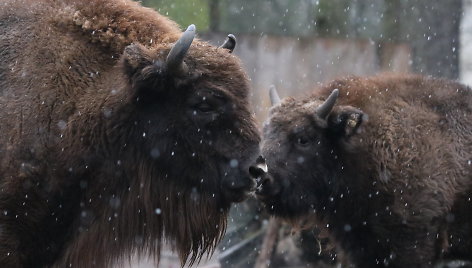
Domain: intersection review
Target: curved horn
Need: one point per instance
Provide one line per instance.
(274, 97)
(230, 43)
(325, 108)
(175, 59)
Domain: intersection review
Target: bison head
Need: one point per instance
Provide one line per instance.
(180, 137)
(301, 141)
(193, 114)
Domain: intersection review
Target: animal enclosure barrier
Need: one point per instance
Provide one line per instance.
(298, 64)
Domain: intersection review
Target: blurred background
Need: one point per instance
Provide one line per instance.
(298, 44)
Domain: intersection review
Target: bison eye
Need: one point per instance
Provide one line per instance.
(204, 108)
(303, 141)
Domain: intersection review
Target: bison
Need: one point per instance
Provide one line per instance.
(117, 132)
(383, 163)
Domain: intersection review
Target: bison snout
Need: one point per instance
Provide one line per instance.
(266, 185)
(237, 184)
(259, 170)
(256, 173)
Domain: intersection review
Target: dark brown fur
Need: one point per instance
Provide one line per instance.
(102, 152)
(392, 185)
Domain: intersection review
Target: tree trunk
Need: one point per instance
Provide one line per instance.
(214, 6)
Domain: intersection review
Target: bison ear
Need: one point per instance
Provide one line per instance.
(346, 120)
(135, 58)
(143, 74)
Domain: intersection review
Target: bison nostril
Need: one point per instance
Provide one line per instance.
(259, 169)
(256, 172)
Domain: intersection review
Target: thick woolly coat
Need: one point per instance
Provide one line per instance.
(101, 152)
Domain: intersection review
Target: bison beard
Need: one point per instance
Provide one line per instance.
(115, 134)
(384, 163)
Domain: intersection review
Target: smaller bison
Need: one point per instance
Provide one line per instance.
(384, 163)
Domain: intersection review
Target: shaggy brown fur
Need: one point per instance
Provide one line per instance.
(103, 153)
(388, 171)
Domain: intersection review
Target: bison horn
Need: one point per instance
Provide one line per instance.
(230, 43)
(274, 97)
(325, 108)
(175, 59)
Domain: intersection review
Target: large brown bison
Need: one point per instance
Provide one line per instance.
(116, 133)
(384, 163)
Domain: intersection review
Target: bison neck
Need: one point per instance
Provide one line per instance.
(356, 203)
